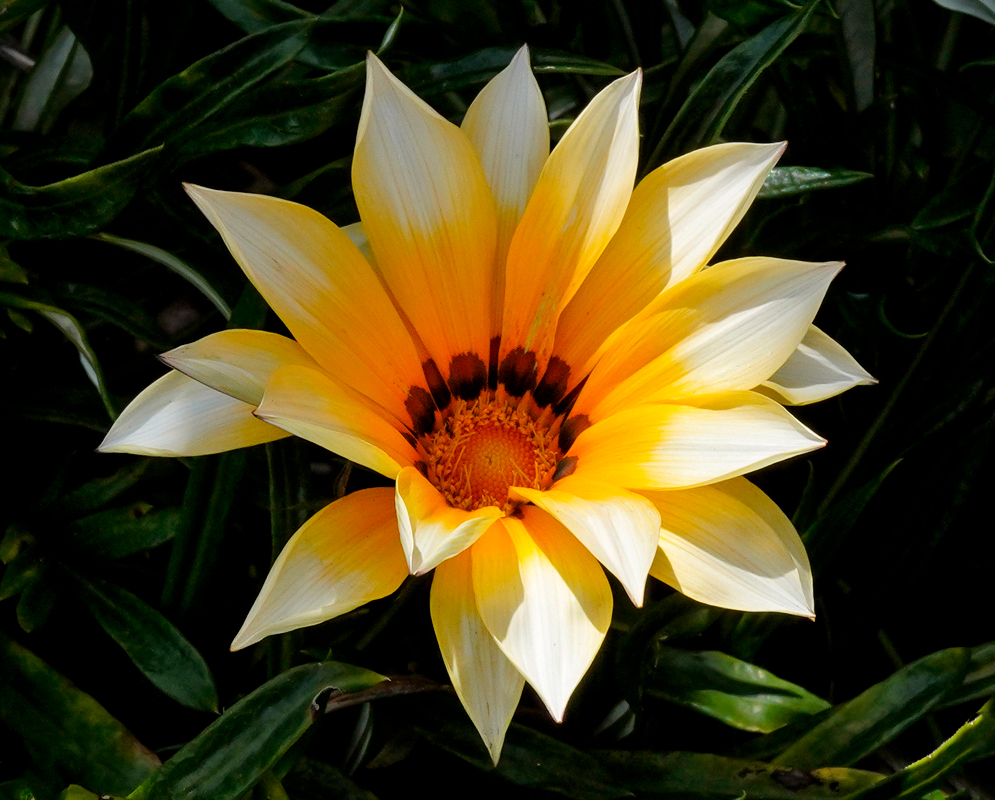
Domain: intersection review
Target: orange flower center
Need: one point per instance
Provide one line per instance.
(485, 446)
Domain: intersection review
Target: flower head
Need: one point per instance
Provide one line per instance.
(536, 354)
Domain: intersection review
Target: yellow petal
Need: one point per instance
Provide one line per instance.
(544, 599)
(238, 362)
(432, 531)
(319, 284)
(727, 328)
(485, 680)
(575, 209)
(702, 441)
(729, 545)
(429, 215)
(677, 218)
(507, 126)
(177, 416)
(357, 235)
(309, 404)
(344, 556)
(620, 528)
(818, 369)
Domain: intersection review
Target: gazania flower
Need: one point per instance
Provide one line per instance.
(536, 354)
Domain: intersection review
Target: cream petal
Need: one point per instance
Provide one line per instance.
(507, 126)
(309, 404)
(177, 416)
(677, 218)
(620, 528)
(544, 599)
(701, 441)
(344, 556)
(319, 284)
(726, 329)
(729, 545)
(431, 530)
(485, 681)
(238, 362)
(818, 369)
(575, 209)
(429, 215)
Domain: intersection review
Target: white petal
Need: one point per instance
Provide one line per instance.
(507, 126)
(344, 556)
(700, 441)
(429, 215)
(432, 531)
(620, 528)
(238, 362)
(677, 218)
(574, 211)
(729, 545)
(818, 369)
(726, 329)
(178, 416)
(485, 681)
(309, 404)
(326, 293)
(545, 601)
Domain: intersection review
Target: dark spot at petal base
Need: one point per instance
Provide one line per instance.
(492, 365)
(518, 372)
(467, 376)
(436, 384)
(553, 385)
(571, 429)
(421, 409)
(566, 466)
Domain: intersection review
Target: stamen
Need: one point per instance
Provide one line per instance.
(484, 446)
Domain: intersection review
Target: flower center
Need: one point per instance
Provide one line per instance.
(485, 446)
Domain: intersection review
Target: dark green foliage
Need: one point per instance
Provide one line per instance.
(124, 578)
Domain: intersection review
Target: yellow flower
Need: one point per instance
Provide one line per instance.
(535, 354)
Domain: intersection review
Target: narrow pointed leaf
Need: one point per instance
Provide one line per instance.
(187, 99)
(100, 491)
(736, 692)
(872, 719)
(974, 740)
(702, 776)
(65, 730)
(791, 181)
(704, 114)
(228, 757)
(75, 206)
(152, 642)
(119, 532)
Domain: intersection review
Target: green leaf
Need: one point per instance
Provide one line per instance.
(736, 692)
(153, 643)
(980, 678)
(72, 207)
(173, 264)
(230, 755)
(974, 740)
(14, 11)
(860, 41)
(982, 9)
(10, 271)
(61, 74)
(184, 101)
(119, 532)
(857, 728)
(100, 491)
(700, 120)
(790, 181)
(114, 309)
(21, 572)
(702, 776)
(829, 532)
(529, 758)
(433, 78)
(65, 730)
(74, 332)
(36, 602)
